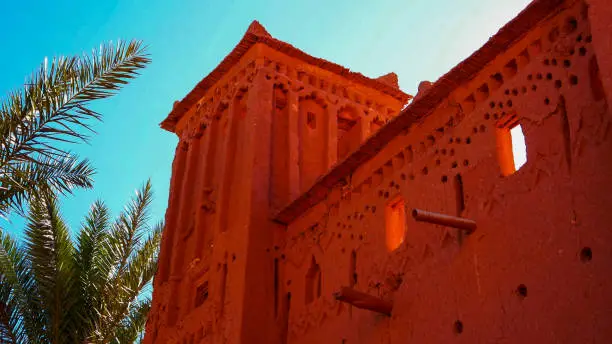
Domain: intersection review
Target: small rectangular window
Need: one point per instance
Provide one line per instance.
(519, 149)
(511, 146)
(395, 218)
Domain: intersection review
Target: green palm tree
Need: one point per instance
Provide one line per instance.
(52, 109)
(55, 289)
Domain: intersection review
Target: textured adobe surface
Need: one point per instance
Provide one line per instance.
(295, 180)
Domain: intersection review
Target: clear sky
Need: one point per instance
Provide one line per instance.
(417, 39)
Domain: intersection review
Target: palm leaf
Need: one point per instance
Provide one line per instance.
(91, 265)
(133, 259)
(23, 309)
(25, 180)
(134, 324)
(54, 106)
(13, 270)
(132, 224)
(54, 291)
(50, 252)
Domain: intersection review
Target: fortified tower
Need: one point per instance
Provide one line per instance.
(297, 216)
(254, 135)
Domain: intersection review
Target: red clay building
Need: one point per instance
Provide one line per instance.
(311, 204)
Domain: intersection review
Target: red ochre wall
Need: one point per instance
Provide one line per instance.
(536, 269)
(254, 142)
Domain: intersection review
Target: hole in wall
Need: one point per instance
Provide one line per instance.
(571, 25)
(353, 269)
(201, 294)
(459, 194)
(586, 254)
(285, 319)
(521, 291)
(573, 80)
(311, 120)
(313, 282)
(222, 287)
(458, 327)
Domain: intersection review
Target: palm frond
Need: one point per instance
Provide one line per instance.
(132, 258)
(143, 265)
(91, 263)
(22, 181)
(131, 225)
(133, 325)
(55, 291)
(54, 105)
(19, 313)
(50, 252)
(138, 275)
(13, 267)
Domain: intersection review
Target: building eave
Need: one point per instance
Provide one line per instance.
(422, 106)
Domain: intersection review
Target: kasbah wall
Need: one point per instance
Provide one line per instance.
(295, 179)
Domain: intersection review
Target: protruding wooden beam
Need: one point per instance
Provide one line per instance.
(363, 300)
(444, 220)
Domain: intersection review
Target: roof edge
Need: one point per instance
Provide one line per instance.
(256, 33)
(423, 105)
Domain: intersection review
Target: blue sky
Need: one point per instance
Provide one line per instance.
(417, 39)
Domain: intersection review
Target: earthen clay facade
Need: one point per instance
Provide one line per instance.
(302, 195)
